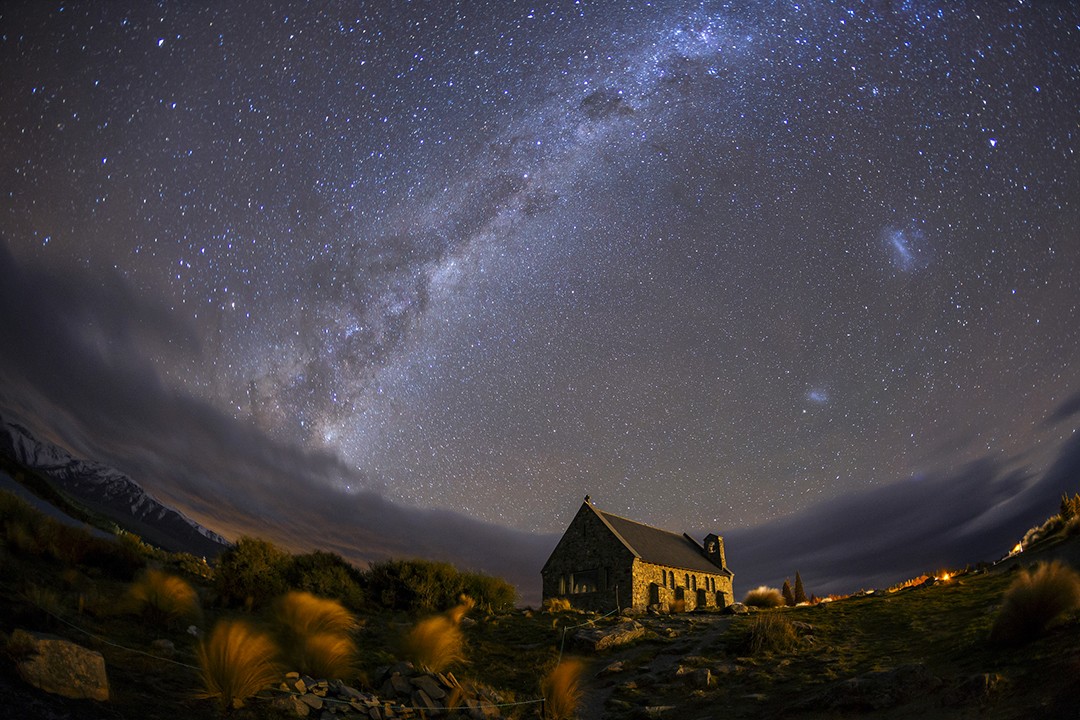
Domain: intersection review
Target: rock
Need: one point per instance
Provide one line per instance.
(802, 628)
(291, 705)
(312, 701)
(694, 677)
(423, 701)
(615, 667)
(429, 685)
(597, 639)
(400, 685)
(737, 609)
(61, 667)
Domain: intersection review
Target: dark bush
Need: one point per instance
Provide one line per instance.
(327, 575)
(251, 573)
(425, 586)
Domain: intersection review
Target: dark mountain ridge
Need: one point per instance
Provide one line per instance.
(110, 493)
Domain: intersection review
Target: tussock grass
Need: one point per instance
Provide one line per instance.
(164, 599)
(1034, 600)
(438, 642)
(764, 597)
(235, 663)
(315, 635)
(306, 614)
(556, 604)
(561, 689)
(771, 633)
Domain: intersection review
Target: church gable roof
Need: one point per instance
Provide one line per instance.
(657, 546)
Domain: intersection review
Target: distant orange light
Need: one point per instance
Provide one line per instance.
(1018, 548)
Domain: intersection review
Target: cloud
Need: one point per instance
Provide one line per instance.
(76, 368)
(1065, 410)
(902, 530)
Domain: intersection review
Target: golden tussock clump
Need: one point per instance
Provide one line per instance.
(315, 635)
(770, 633)
(438, 642)
(765, 597)
(556, 604)
(235, 663)
(1034, 600)
(561, 689)
(164, 598)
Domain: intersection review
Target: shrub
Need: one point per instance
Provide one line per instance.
(328, 575)
(438, 642)
(1048, 529)
(251, 573)
(1070, 506)
(800, 591)
(164, 599)
(770, 632)
(764, 597)
(235, 663)
(315, 635)
(1034, 600)
(556, 604)
(561, 689)
(191, 565)
(492, 593)
(423, 586)
(789, 597)
(677, 606)
(117, 559)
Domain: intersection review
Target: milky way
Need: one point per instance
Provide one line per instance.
(711, 263)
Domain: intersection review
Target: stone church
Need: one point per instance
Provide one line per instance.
(605, 562)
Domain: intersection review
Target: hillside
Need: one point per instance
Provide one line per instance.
(920, 651)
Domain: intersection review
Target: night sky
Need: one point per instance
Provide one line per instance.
(713, 263)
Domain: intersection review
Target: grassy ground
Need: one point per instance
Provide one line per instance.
(936, 636)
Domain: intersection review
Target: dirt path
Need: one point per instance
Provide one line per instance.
(693, 635)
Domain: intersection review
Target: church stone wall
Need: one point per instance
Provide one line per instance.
(595, 571)
(590, 567)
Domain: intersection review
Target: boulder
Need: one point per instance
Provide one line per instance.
(698, 678)
(597, 639)
(737, 609)
(615, 667)
(61, 667)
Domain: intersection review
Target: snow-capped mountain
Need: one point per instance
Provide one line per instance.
(110, 493)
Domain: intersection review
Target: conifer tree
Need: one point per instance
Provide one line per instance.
(800, 594)
(789, 599)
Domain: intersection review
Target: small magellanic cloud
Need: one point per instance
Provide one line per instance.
(817, 396)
